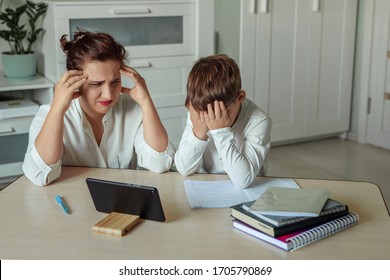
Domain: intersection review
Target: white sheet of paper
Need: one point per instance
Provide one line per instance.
(223, 194)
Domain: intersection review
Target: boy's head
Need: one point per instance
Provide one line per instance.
(216, 77)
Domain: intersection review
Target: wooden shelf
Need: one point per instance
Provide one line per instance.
(14, 131)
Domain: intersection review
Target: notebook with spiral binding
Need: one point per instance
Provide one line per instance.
(298, 239)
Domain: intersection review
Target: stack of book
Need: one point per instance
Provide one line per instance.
(292, 218)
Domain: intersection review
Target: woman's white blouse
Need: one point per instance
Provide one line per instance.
(123, 134)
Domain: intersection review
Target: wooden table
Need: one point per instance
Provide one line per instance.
(34, 227)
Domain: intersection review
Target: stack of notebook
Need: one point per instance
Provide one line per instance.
(292, 218)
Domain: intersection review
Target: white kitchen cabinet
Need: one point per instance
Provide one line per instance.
(14, 131)
(296, 59)
(163, 40)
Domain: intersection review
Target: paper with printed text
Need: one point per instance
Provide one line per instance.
(223, 194)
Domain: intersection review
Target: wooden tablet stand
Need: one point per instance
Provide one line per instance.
(116, 224)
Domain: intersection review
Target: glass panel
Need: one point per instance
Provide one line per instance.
(135, 31)
(13, 148)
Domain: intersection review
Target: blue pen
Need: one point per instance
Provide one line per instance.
(64, 207)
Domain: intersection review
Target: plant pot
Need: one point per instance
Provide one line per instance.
(19, 66)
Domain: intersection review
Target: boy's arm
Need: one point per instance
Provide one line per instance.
(189, 155)
(243, 166)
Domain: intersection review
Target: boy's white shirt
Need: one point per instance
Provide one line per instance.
(123, 133)
(240, 151)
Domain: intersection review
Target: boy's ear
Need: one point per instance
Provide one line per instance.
(241, 95)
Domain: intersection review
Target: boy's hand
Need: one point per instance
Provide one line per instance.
(217, 117)
(199, 126)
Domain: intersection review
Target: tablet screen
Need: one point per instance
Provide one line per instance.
(110, 196)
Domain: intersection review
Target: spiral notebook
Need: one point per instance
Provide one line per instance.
(298, 239)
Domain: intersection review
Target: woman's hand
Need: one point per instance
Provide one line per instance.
(66, 89)
(139, 92)
(49, 142)
(155, 134)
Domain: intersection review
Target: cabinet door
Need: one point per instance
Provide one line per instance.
(273, 61)
(378, 126)
(330, 57)
(160, 29)
(297, 61)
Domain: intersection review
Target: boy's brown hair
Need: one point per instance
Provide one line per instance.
(216, 77)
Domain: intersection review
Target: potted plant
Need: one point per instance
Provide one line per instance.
(21, 38)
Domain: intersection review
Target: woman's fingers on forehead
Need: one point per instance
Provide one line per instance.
(126, 68)
(76, 78)
(67, 77)
(71, 73)
(131, 74)
(125, 90)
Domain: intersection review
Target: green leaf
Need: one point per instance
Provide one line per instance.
(17, 31)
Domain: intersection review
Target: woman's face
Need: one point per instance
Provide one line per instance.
(102, 89)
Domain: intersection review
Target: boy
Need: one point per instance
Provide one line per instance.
(225, 132)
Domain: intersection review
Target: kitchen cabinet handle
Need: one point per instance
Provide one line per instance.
(264, 6)
(131, 11)
(253, 7)
(316, 6)
(141, 64)
(7, 130)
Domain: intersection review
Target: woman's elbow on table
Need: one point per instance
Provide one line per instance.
(40, 177)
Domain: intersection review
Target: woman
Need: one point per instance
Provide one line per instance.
(93, 120)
